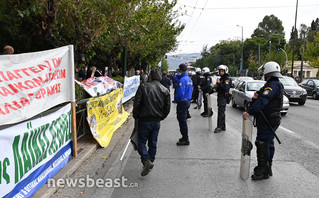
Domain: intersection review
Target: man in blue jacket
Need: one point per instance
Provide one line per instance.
(183, 95)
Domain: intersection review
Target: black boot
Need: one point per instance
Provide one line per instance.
(262, 170)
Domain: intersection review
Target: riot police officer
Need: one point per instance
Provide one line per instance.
(206, 88)
(197, 79)
(222, 87)
(268, 101)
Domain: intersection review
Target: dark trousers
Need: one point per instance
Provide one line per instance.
(182, 108)
(264, 134)
(148, 132)
(205, 103)
(221, 118)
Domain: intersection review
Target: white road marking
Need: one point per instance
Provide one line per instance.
(299, 137)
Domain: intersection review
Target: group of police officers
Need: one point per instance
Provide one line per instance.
(267, 102)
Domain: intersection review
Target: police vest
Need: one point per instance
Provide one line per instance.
(277, 102)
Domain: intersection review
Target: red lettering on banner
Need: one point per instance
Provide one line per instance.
(13, 88)
(24, 101)
(24, 70)
(34, 69)
(56, 62)
(2, 112)
(54, 89)
(1, 73)
(15, 103)
(38, 80)
(48, 64)
(5, 92)
(40, 94)
(11, 75)
(30, 95)
(20, 86)
(44, 66)
(7, 106)
(27, 83)
(16, 71)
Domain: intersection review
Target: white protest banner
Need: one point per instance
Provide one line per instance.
(99, 85)
(131, 85)
(33, 152)
(31, 83)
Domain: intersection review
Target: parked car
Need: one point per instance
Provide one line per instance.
(293, 91)
(233, 79)
(312, 87)
(241, 78)
(244, 92)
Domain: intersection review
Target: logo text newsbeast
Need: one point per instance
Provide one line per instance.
(89, 182)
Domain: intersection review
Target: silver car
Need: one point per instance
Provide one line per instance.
(244, 92)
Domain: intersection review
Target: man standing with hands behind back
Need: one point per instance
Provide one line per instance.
(183, 95)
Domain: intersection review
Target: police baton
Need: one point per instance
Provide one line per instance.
(269, 125)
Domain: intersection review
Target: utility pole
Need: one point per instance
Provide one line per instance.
(293, 46)
(303, 52)
(242, 48)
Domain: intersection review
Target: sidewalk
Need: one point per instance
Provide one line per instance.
(209, 167)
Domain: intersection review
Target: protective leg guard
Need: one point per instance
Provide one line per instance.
(262, 170)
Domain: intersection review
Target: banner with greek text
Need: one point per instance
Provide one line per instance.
(131, 85)
(99, 85)
(105, 115)
(34, 151)
(31, 83)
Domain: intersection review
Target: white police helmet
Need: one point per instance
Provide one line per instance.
(198, 70)
(206, 70)
(223, 67)
(271, 69)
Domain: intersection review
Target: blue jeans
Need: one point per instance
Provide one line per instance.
(182, 108)
(147, 132)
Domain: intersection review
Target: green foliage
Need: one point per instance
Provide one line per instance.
(312, 52)
(119, 79)
(269, 25)
(99, 30)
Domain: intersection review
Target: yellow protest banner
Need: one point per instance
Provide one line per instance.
(105, 115)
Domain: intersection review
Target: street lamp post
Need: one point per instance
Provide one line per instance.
(242, 48)
(294, 41)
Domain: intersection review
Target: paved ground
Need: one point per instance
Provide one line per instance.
(209, 167)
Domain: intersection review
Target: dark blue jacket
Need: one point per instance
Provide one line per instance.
(184, 88)
(271, 90)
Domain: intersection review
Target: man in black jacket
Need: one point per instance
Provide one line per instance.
(152, 104)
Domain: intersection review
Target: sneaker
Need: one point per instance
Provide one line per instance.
(218, 130)
(147, 168)
(182, 142)
(223, 128)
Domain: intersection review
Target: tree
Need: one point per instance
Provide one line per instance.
(269, 25)
(312, 52)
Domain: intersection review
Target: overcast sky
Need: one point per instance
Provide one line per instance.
(214, 20)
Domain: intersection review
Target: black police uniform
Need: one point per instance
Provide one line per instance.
(206, 88)
(269, 100)
(222, 93)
